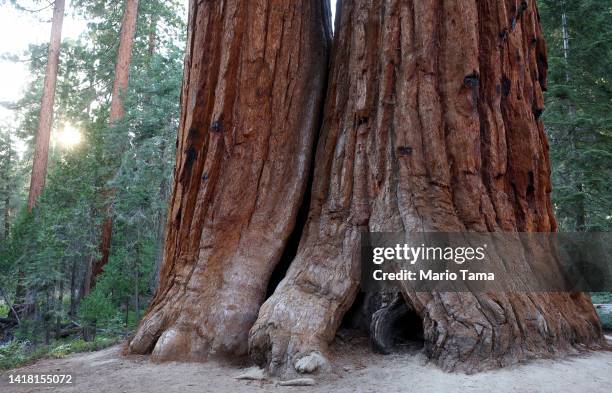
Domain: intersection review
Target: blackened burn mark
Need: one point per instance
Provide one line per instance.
(542, 65)
(523, 6)
(362, 120)
(506, 86)
(537, 112)
(503, 35)
(193, 133)
(530, 192)
(404, 150)
(190, 156)
(177, 220)
(472, 80)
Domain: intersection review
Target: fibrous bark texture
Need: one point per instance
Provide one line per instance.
(45, 120)
(431, 124)
(124, 59)
(254, 83)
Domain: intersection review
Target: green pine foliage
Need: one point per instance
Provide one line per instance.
(578, 115)
(50, 250)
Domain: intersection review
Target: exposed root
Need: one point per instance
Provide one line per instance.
(476, 332)
(298, 322)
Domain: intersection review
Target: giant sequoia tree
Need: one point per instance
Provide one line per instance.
(431, 123)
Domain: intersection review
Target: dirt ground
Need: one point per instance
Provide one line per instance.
(356, 369)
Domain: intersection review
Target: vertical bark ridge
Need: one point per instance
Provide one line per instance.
(431, 124)
(253, 90)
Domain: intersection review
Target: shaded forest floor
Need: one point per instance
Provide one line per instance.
(356, 369)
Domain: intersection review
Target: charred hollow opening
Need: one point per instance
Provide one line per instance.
(390, 323)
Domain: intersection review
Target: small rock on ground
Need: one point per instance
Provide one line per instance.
(310, 363)
(298, 382)
(252, 374)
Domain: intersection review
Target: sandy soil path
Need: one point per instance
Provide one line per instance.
(356, 369)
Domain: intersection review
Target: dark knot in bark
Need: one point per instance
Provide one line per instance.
(404, 150)
(216, 126)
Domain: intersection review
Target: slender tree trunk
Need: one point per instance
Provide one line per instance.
(580, 205)
(45, 121)
(47, 317)
(73, 273)
(117, 111)
(7, 213)
(253, 87)
(431, 124)
(581, 216)
(86, 290)
(152, 35)
(127, 311)
(137, 295)
(7, 187)
(60, 307)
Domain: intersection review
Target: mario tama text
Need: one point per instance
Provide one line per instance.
(405, 262)
(496, 261)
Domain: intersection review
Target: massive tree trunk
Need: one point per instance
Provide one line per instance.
(255, 74)
(431, 124)
(120, 85)
(45, 120)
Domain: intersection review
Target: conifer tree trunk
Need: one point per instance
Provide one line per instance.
(124, 59)
(7, 186)
(7, 212)
(431, 123)
(45, 121)
(252, 93)
(152, 35)
(120, 85)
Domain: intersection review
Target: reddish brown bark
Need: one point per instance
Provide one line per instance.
(120, 85)
(45, 120)
(124, 59)
(431, 124)
(97, 266)
(253, 88)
